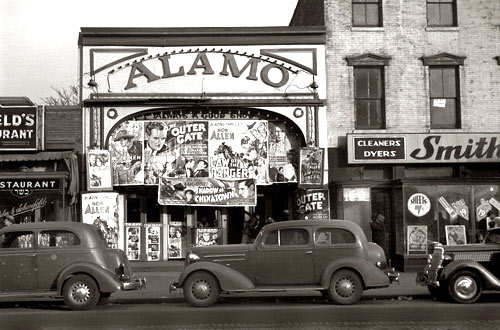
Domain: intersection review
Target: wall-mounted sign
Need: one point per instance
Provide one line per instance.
(416, 239)
(24, 187)
(101, 210)
(419, 204)
(312, 204)
(311, 166)
(356, 194)
(19, 128)
(423, 148)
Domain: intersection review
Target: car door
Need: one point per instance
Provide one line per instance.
(17, 261)
(56, 250)
(285, 257)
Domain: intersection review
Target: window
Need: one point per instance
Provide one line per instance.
(369, 90)
(17, 240)
(441, 13)
(287, 237)
(57, 238)
(444, 90)
(366, 13)
(330, 236)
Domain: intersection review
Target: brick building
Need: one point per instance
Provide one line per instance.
(413, 104)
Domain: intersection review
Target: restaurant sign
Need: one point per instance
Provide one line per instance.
(423, 148)
(19, 128)
(24, 187)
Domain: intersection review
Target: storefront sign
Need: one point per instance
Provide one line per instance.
(19, 128)
(416, 239)
(311, 166)
(423, 148)
(25, 187)
(419, 204)
(101, 210)
(206, 192)
(356, 194)
(99, 170)
(312, 204)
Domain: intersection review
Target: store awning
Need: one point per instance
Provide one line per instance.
(38, 156)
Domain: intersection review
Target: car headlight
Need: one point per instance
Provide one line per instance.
(379, 264)
(192, 257)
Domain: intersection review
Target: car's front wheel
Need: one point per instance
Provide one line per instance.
(201, 289)
(80, 293)
(465, 287)
(346, 288)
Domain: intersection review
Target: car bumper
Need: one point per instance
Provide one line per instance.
(134, 284)
(393, 275)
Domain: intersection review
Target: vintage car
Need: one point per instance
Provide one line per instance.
(330, 256)
(462, 272)
(66, 260)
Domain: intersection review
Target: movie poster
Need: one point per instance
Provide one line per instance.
(155, 150)
(416, 239)
(312, 204)
(207, 192)
(311, 166)
(126, 149)
(177, 240)
(101, 210)
(99, 170)
(187, 144)
(238, 150)
(455, 235)
(207, 236)
(133, 247)
(283, 155)
(153, 242)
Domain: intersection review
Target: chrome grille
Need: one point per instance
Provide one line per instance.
(473, 256)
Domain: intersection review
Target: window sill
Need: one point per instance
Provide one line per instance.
(445, 130)
(367, 29)
(442, 29)
(369, 130)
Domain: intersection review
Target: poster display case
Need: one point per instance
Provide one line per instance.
(177, 240)
(153, 242)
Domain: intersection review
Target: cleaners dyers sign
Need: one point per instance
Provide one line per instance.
(423, 148)
(18, 128)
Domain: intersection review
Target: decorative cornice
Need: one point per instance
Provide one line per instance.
(443, 59)
(368, 59)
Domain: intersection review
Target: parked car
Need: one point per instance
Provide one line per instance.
(66, 260)
(462, 272)
(330, 256)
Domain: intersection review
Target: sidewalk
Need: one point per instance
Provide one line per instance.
(157, 289)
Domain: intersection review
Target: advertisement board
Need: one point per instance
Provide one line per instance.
(20, 128)
(101, 210)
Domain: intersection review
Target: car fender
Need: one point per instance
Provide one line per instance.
(105, 280)
(490, 280)
(228, 278)
(371, 276)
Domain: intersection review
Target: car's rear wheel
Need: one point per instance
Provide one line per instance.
(465, 287)
(346, 288)
(201, 289)
(80, 293)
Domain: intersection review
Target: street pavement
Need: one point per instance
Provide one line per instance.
(157, 283)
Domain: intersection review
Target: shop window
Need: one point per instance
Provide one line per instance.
(57, 238)
(367, 13)
(153, 210)
(16, 240)
(133, 210)
(444, 90)
(369, 90)
(331, 236)
(441, 13)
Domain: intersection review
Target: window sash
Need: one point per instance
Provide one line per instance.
(441, 13)
(369, 97)
(444, 97)
(366, 13)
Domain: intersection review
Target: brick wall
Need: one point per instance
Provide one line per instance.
(63, 128)
(406, 38)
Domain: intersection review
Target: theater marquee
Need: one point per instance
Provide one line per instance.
(423, 148)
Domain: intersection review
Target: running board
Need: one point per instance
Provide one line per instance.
(283, 288)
